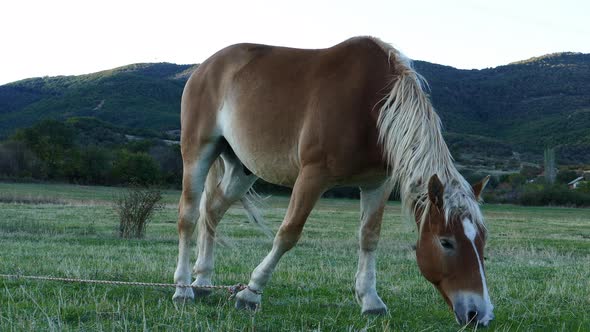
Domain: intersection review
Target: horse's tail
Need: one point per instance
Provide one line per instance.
(249, 200)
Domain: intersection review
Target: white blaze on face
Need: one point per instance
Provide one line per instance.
(469, 230)
(471, 233)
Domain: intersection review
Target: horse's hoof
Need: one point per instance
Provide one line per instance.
(183, 295)
(201, 292)
(247, 300)
(245, 305)
(375, 311)
(373, 305)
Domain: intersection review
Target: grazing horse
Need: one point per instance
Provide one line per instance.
(354, 114)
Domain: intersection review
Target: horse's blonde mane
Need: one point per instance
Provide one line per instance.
(410, 133)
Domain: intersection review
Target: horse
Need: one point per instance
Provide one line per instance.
(354, 114)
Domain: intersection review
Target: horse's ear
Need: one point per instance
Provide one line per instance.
(478, 187)
(436, 191)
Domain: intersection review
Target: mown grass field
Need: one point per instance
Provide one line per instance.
(538, 263)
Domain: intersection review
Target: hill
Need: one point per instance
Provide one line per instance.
(529, 104)
(135, 96)
(504, 114)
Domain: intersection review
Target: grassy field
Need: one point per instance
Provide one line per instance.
(538, 263)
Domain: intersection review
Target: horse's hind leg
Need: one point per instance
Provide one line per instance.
(372, 206)
(223, 188)
(196, 164)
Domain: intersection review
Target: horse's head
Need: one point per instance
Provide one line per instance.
(450, 250)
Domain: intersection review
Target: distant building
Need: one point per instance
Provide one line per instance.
(576, 182)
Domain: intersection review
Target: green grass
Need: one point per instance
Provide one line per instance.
(538, 263)
(68, 193)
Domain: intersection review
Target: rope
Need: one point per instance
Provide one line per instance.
(233, 290)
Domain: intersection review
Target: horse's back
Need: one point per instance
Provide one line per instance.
(283, 108)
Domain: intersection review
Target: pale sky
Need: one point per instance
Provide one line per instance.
(60, 37)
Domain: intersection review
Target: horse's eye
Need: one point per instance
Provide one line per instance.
(447, 244)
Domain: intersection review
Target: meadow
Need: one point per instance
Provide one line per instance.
(537, 261)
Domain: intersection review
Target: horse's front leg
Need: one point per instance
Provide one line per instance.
(372, 206)
(307, 190)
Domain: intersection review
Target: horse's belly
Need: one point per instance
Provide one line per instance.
(272, 165)
(275, 167)
(268, 153)
(271, 144)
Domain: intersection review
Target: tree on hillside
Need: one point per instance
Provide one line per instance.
(89, 165)
(17, 160)
(131, 167)
(170, 161)
(565, 176)
(550, 170)
(50, 140)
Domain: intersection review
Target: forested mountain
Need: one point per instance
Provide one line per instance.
(135, 96)
(520, 107)
(543, 101)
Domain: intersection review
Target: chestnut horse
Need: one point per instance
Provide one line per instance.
(354, 114)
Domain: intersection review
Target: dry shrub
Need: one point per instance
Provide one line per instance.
(135, 206)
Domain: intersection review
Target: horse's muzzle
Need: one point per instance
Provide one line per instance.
(471, 308)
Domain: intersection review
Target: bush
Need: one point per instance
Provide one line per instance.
(17, 161)
(135, 206)
(584, 187)
(139, 167)
(169, 160)
(554, 195)
(88, 165)
(51, 141)
(566, 176)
